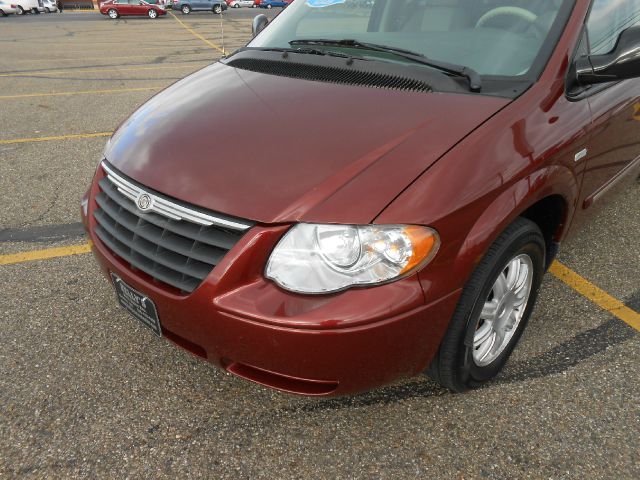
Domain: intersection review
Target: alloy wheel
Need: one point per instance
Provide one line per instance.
(502, 310)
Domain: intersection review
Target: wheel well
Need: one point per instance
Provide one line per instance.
(550, 215)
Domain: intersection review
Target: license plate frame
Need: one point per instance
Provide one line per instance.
(139, 305)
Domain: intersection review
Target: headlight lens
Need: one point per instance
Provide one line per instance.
(313, 258)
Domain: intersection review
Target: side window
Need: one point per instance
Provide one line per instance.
(608, 18)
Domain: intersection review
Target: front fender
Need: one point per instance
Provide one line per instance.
(468, 231)
(515, 200)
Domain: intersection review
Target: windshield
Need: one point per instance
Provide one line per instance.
(492, 37)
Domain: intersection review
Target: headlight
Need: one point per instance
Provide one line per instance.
(314, 258)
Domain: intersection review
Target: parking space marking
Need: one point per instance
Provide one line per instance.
(72, 51)
(78, 92)
(44, 254)
(68, 71)
(193, 32)
(57, 137)
(596, 295)
(563, 273)
(198, 51)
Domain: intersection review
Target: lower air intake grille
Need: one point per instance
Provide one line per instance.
(330, 74)
(177, 252)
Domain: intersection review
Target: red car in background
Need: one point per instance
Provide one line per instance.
(117, 8)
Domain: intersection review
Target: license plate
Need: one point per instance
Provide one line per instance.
(137, 304)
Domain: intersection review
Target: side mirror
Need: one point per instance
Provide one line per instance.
(259, 22)
(622, 63)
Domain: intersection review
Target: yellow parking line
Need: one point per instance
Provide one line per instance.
(200, 51)
(72, 51)
(598, 296)
(193, 32)
(78, 92)
(57, 137)
(44, 254)
(97, 70)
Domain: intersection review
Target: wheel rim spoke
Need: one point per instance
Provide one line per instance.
(513, 275)
(520, 298)
(500, 287)
(485, 348)
(482, 334)
(522, 280)
(489, 310)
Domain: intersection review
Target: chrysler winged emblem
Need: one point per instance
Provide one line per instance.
(144, 202)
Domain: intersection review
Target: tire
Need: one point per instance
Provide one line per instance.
(217, 9)
(269, 6)
(20, 10)
(458, 365)
(237, 5)
(152, 14)
(35, 11)
(186, 9)
(113, 14)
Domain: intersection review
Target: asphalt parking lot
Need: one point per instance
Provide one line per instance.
(87, 392)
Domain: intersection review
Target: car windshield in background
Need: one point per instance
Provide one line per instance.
(492, 37)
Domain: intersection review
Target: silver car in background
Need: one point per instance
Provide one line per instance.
(7, 8)
(242, 3)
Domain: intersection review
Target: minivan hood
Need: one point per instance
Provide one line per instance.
(275, 149)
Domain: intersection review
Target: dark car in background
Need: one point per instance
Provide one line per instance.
(188, 6)
(274, 3)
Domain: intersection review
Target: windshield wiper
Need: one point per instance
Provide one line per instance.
(304, 51)
(475, 82)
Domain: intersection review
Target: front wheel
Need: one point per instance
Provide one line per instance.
(217, 9)
(113, 14)
(152, 13)
(269, 6)
(493, 309)
(186, 9)
(20, 10)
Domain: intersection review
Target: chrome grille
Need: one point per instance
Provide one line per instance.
(174, 243)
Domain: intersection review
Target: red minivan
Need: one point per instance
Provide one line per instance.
(436, 156)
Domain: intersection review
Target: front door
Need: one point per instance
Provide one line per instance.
(123, 7)
(614, 149)
(137, 7)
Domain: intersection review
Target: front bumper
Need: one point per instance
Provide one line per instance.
(312, 345)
